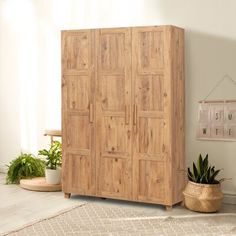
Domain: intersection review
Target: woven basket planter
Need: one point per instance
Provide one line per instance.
(203, 197)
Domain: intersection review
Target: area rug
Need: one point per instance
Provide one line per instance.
(99, 219)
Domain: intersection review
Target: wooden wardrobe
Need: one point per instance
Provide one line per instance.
(123, 113)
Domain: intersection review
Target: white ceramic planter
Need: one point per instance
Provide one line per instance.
(53, 176)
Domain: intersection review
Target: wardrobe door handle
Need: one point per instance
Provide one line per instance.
(91, 113)
(135, 114)
(126, 114)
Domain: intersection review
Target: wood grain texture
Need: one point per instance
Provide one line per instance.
(123, 113)
(151, 99)
(178, 113)
(39, 184)
(113, 118)
(67, 195)
(78, 99)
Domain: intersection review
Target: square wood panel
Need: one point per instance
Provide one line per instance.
(151, 179)
(76, 51)
(114, 176)
(150, 135)
(149, 89)
(113, 93)
(113, 54)
(151, 50)
(81, 165)
(114, 137)
(78, 92)
(79, 127)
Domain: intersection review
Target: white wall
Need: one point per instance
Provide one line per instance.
(30, 63)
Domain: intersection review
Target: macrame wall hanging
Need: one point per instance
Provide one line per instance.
(217, 118)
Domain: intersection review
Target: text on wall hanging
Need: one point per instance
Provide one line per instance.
(217, 118)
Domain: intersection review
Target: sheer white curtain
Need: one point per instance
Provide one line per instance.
(30, 75)
(30, 66)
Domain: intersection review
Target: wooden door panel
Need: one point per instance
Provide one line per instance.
(151, 113)
(151, 180)
(150, 92)
(114, 177)
(113, 92)
(78, 103)
(150, 136)
(150, 49)
(114, 138)
(112, 47)
(76, 48)
(78, 94)
(80, 127)
(113, 151)
(80, 179)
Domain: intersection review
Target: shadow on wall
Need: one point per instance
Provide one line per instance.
(208, 58)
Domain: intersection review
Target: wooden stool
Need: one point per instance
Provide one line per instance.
(52, 134)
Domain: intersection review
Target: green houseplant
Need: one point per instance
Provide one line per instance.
(203, 191)
(24, 166)
(53, 162)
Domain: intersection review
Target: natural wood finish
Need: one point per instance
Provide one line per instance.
(113, 118)
(52, 134)
(177, 114)
(39, 184)
(169, 208)
(78, 109)
(56, 133)
(67, 195)
(123, 113)
(152, 100)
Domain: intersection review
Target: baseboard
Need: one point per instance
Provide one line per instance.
(3, 168)
(229, 198)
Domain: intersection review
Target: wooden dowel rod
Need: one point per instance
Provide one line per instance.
(216, 101)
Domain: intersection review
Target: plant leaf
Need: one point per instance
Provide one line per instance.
(195, 172)
(200, 165)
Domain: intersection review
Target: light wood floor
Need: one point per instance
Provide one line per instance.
(19, 207)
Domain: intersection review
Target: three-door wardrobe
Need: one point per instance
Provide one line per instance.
(123, 113)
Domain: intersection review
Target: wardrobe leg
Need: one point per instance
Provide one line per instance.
(67, 195)
(182, 204)
(168, 208)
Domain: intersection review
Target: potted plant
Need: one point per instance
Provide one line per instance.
(24, 166)
(53, 163)
(203, 192)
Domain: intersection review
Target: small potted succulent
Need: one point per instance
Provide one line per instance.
(203, 191)
(53, 163)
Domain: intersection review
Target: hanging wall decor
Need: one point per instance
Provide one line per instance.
(217, 118)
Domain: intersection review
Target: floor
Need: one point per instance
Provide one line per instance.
(19, 207)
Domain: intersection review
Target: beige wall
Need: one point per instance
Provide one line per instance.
(30, 63)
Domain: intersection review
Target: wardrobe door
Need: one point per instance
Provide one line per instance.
(149, 83)
(78, 102)
(113, 132)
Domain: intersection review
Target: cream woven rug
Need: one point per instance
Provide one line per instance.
(99, 219)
